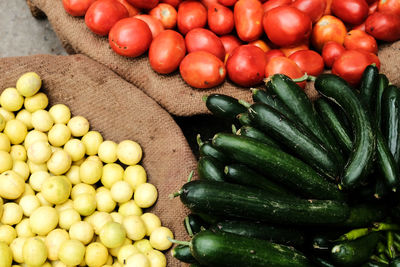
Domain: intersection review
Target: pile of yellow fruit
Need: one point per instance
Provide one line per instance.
(65, 197)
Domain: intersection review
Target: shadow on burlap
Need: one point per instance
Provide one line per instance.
(119, 111)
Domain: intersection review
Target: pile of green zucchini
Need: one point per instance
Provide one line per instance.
(299, 183)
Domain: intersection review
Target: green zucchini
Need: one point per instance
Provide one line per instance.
(226, 249)
(244, 119)
(391, 120)
(386, 163)
(241, 174)
(356, 252)
(300, 105)
(182, 253)
(334, 124)
(258, 135)
(361, 156)
(381, 190)
(322, 243)
(209, 168)
(383, 82)
(364, 215)
(261, 96)
(274, 234)
(278, 165)
(231, 200)
(295, 137)
(395, 262)
(194, 224)
(224, 106)
(207, 149)
(368, 87)
(321, 262)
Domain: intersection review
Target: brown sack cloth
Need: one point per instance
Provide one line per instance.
(119, 111)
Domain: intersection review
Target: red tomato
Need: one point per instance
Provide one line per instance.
(167, 51)
(360, 27)
(328, 28)
(166, 14)
(220, 19)
(174, 3)
(370, 2)
(133, 11)
(191, 15)
(383, 26)
(350, 11)
(227, 2)
(248, 15)
(208, 3)
(154, 24)
(103, 14)
(328, 7)
(202, 70)
(309, 61)
(391, 6)
(130, 37)
(270, 4)
(332, 51)
(351, 64)
(145, 4)
(230, 42)
(287, 26)
(261, 44)
(200, 39)
(273, 53)
(359, 40)
(287, 51)
(77, 8)
(373, 7)
(284, 65)
(246, 65)
(313, 8)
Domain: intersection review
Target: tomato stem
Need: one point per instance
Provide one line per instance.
(304, 78)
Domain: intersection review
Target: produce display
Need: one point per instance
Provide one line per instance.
(298, 183)
(68, 197)
(245, 40)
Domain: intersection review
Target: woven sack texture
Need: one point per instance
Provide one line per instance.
(119, 111)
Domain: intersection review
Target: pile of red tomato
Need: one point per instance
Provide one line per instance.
(247, 40)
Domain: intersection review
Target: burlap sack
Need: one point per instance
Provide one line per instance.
(119, 111)
(170, 91)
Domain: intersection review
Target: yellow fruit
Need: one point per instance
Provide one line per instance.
(105, 201)
(158, 238)
(85, 204)
(34, 251)
(151, 222)
(75, 148)
(156, 258)
(16, 247)
(145, 195)
(130, 208)
(25, 117)
(6, 162)
(29, 204)
(137, 260)
(41, 120)
(98, 219)
(68, 217)
(96, 255)
(7, 234)
(5, 144)
(39, 152)
(12, 213)
(43, 220)
(56, 189)
(60, 113)
(2, 122)
(135, 175)
(59, 135)
(73, 175)
(90, 171)
(125, 252)
(129, 152)
(121, 191)
(11, 99)
(112, 235)
(112, 173)
(82, 231)
(78, 125)
(28, 84)
(16, 131)
(59, 162)
(117, 217)
(34, 136)
(24, 229)
(22, 169)
(12, 186)
(72, 252)
(37, 179)
(92, 141)
(54, 241)
(143, 245)
(36, 102)
(134, 227)
(18, 152)
(82, 188)
(5, 255)
(108, 151)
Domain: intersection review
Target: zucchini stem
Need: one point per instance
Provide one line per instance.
(254, 90)
(226, 169)
(174, 195)
(379, 259)
(190, 177)
(244, 103)
(304, 78)
(354, 234)
(390, 242)
(185, 243)
(199, 141)
(234, 130)
(204, 98)
(188, 227)
(381, 226)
